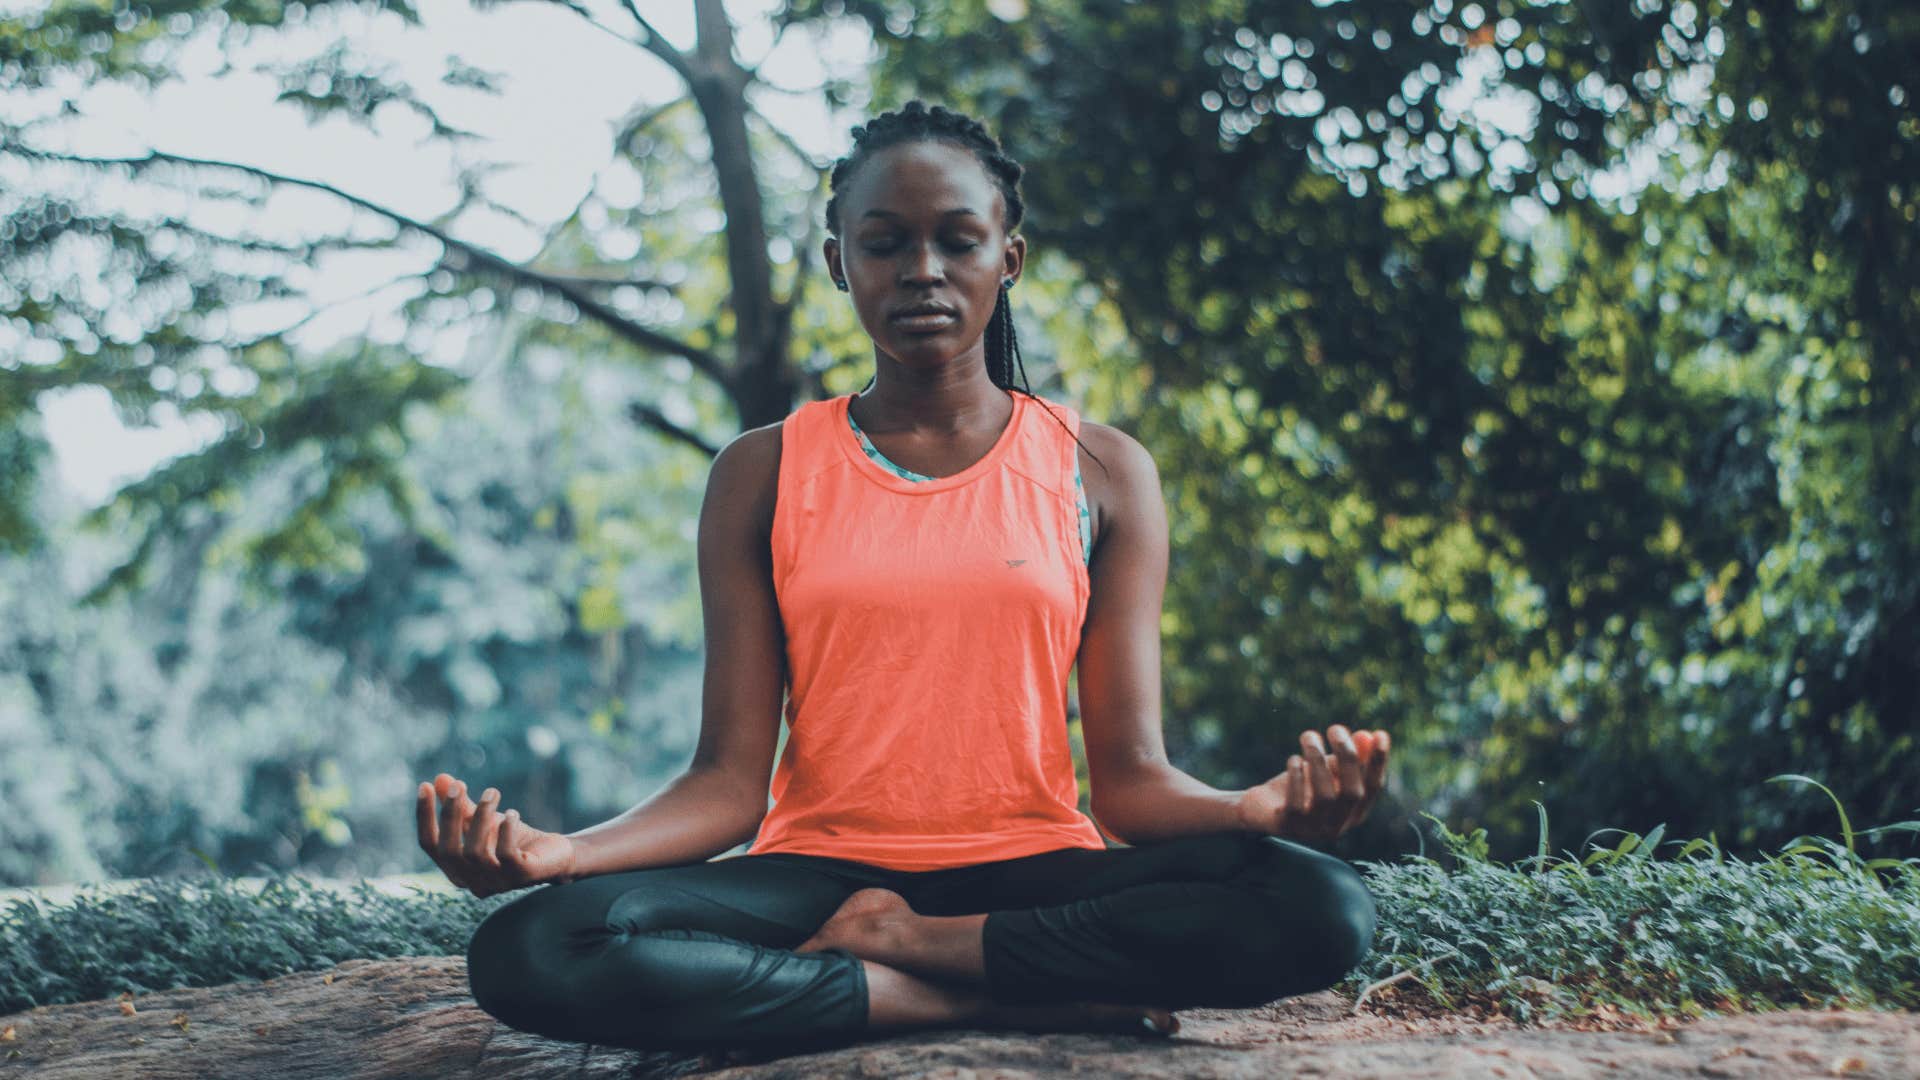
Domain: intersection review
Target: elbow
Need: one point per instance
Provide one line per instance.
(1143, 805)
(749, 822)
(1109, 816)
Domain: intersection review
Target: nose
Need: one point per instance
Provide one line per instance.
(921, 265)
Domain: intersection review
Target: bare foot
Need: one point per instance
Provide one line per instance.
(860, 919)
(1083, 1016)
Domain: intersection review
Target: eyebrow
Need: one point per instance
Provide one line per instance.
(945, 213)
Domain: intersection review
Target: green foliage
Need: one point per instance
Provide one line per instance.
(343, 417)
(22, 449)
(183, 717)
(279, 712)
(1578, 449)
(212, 930)
(1616, 928)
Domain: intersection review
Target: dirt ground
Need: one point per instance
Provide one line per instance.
(413, 1018)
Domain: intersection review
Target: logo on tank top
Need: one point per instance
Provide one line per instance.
(1015, 562)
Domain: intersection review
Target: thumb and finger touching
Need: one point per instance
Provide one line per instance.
(468, 840)
(1325, 794)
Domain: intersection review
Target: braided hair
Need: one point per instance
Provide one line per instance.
(914, 122)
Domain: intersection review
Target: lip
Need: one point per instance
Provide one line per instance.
(925, 323)
(926, 308)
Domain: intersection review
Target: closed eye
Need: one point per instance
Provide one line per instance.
(883, 249)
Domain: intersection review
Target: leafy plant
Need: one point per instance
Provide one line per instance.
(212, 930)
(1616, 928)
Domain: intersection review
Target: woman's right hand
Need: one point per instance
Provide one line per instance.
(483, 850)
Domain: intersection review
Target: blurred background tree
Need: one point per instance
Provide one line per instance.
(1534, 381)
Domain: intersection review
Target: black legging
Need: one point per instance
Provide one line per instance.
(699, 956)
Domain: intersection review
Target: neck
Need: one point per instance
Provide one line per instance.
(954, 398)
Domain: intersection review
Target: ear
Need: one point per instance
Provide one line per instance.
(830, 250)
(1016, 257)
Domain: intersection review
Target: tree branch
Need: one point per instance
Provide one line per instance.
(658, 45)
(635, 333)
(787, 140)
(646, 414)
(640, 123)
(586, 15)
(763, 384)
(594, 281)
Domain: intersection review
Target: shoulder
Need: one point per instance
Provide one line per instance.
(1120, 479)
(750, 455)
(1128, 465)
(746, 472)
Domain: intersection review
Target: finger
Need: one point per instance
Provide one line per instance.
(1326, 803)
(1325, 787)
(425, 817)
(1377, 764)
(1347, 767)
(1356, 811)
(1359, 813)
(1306, 819)
(506, 844)
(453, 820)
(1376, 770)
(484, 828)
(1375, 783)
(473, 867)
(1299, 794)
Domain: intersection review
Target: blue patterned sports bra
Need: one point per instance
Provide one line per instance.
(1079, 490)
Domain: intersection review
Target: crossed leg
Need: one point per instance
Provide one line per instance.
(691, 956)
(700, 956)
(929, 970)
(722, 953)
(1219, 919)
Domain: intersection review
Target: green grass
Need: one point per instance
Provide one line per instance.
(1815, 925)
(1616, 928)
(208, 931)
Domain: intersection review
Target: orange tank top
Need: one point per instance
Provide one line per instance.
(930, 628)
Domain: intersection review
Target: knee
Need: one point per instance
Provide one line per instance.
(1346, 919)
(1325, 917)
(505, 957)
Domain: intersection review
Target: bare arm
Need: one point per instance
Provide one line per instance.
(720, 800)
(1138, 795)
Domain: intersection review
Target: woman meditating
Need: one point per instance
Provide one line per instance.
(917, 567)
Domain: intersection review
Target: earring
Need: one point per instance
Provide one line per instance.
(841, 285)
(1006, 283)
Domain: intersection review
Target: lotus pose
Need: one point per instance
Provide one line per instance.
(917, 567)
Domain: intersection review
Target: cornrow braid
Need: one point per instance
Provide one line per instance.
(914, 122)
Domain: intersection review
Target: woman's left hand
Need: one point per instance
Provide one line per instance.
(1320, 795)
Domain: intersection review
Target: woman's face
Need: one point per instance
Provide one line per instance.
(921, 225)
